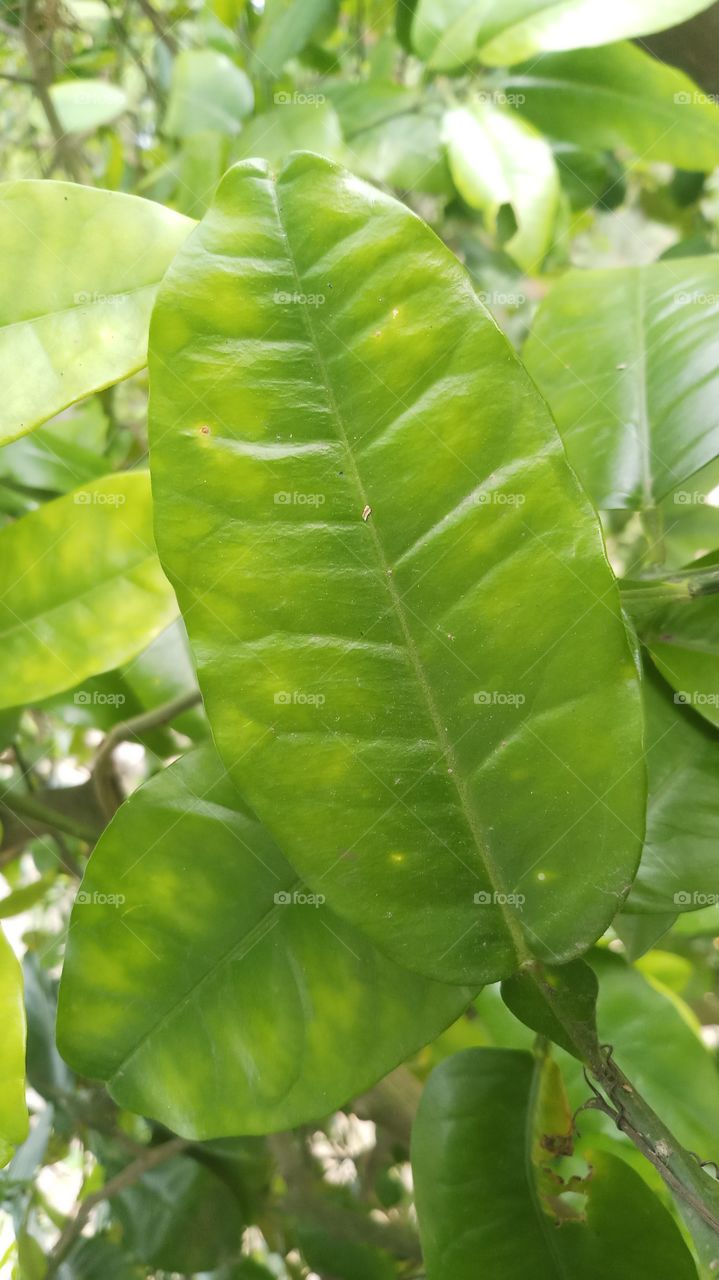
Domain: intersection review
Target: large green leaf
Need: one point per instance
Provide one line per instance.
(217, 996)
(619, 96)
(13, 1112)
(81, 588)
(406, 631)
(452, 33)
(678, 870)
(80, 272)
(490, 1201)
(627, 361)
(496, 159)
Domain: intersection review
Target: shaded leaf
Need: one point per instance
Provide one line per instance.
(482, 1196)
(13, 1111)
(217, 996)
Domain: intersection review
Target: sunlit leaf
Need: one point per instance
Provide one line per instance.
(395, 591)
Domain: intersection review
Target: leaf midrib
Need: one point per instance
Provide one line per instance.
(512, 926)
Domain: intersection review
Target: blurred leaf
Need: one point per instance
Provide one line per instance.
(85, 105)
(179, 1217)
(46, 1070)
(615, 97)
(79, 277)
(232, 1004)
(13, 1111)
(287, 27)
(80, 586)
(497, 160)
(449, 34)
(328, 1255)
(626, 359)
(292, 126)
(208, 92)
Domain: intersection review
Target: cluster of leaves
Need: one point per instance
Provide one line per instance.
(340, 601)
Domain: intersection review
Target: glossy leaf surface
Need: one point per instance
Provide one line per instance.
(626, 359)
(208, 93)
(81, 588)
(400, 608)
(218, 996)
(73, 316)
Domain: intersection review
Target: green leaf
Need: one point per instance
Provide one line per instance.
(678, 870)
(657, 1043)
(286, 28)
(450, 34)
(496, 159)
(683, 640)
(626, 358)
(488, 1197)
(618, 97)
(80, 272)
(572, 1011)
(84, 105)
(291, 125)
(179, 1217)
(81, 589)
(401, 611)
(205, 998)
(13, 1111)
(207, 93)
